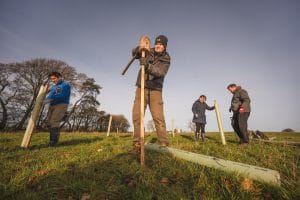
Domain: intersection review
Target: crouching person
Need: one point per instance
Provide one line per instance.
(59, 98)
(198, 109)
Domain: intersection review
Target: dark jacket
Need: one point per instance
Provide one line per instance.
(240, 99)
(199, 111)
(156, 70)
(59, 93)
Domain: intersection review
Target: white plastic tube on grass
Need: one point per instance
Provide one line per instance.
(250, 171)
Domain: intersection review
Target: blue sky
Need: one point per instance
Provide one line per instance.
(254, 43)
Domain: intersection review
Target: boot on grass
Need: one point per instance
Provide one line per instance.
(203, 137)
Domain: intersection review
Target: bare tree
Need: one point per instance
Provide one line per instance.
(5, 94)
(19, 87)
(119, 124)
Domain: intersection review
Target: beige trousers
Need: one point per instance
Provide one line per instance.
(56, 114)
(153, 98)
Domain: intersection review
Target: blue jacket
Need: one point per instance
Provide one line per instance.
(198, 110)
(59, 93)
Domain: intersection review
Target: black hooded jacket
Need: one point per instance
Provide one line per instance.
(240, 99)
(156, 70)
(198, 110)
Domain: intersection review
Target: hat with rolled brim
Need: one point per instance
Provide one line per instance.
(162, 40)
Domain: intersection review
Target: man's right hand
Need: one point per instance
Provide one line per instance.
(47, 101)
(144, 61)
(136, 53)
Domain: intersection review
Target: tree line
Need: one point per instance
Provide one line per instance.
(19, 86)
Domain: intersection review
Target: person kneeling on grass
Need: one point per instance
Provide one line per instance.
(59, 98)
(199, 118)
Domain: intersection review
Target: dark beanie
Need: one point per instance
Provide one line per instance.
(162, 39)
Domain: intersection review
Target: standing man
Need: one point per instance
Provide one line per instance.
(198, 109)
(59, 99)
(240, 106)
(157, 63)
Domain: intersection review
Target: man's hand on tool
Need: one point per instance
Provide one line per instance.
(144, 61)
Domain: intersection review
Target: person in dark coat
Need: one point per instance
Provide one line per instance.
(157, 63)
(198, 109)
(240, 106)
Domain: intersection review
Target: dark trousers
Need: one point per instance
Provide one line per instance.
(239, 123)
(200, 126)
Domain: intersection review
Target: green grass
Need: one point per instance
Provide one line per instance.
(99, 167)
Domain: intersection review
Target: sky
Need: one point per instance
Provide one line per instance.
(212, 43)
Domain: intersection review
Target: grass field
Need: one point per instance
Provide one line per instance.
(93, 166)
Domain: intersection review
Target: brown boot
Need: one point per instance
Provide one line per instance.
(164, 144)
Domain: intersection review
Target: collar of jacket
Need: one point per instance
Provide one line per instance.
(238, 88)
(60, 82)
(160, 54)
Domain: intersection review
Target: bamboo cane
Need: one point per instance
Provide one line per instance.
(144, 46)
(142, 112)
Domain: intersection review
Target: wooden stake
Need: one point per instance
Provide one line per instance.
(220, 123)
(109, 125)
(142, 112)
(34, 116)
(144, 46)
(251, 171)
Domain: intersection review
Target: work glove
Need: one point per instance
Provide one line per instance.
(144, 61)
(47, 101)
(136, 53)
(242, 110)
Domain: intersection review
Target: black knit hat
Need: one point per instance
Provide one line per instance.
(162, 39)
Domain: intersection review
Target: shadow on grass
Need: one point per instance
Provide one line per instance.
(153, 140)
(125, 136)
(233, 141)
(68, 143)
(2, 140)
(121, 177)
(191, 138)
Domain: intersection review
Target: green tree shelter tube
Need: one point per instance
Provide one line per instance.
(250, 171)
(219, 120)
(34, 115)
